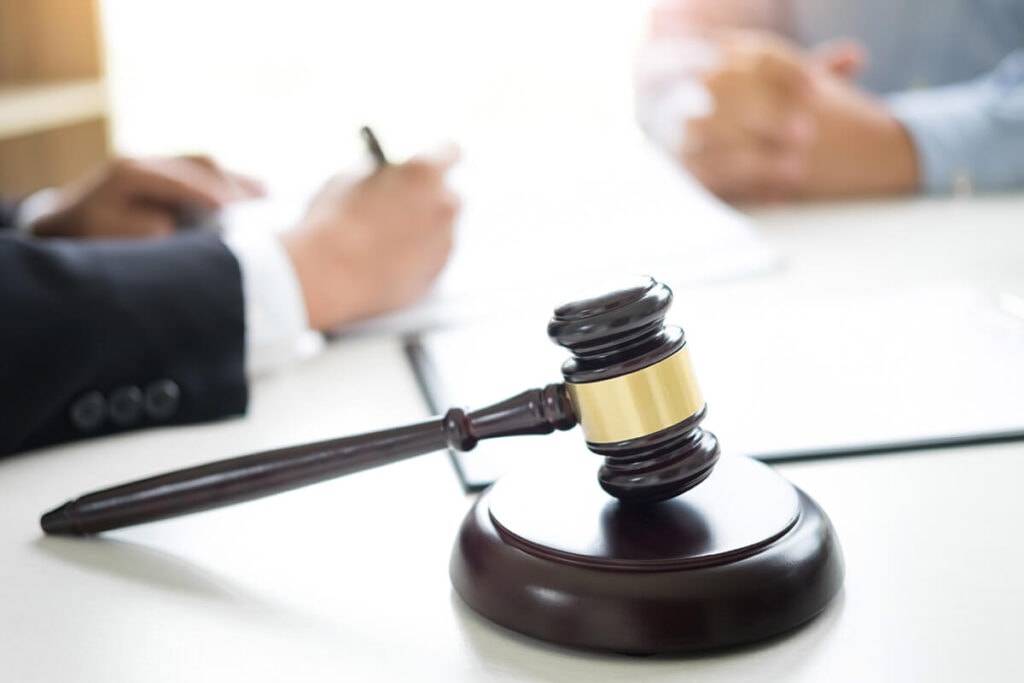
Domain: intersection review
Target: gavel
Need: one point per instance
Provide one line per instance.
(653, 563)
(629, 383)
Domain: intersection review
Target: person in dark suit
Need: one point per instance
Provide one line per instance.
(114, 319)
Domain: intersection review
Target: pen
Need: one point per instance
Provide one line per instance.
(373, 144)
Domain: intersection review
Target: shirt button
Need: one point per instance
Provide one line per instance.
(162, 398)
(88, 411)
(126, 406)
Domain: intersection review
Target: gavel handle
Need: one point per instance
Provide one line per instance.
(225, 482)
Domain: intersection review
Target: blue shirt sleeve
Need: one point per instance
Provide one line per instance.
(969, 133)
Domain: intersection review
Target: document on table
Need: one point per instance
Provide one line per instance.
(937, 365)
(534, 229)
(539, 223)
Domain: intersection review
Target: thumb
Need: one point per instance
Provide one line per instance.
(844, 58)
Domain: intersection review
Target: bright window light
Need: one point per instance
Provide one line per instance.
(282, 87)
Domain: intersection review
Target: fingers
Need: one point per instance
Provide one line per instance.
(711, 135)
(765, 57)
(143, 221)
(764, 111)
(421, 181)
(169, 182)
(239, 185)
(195, 182)
(783, 68)
(762, 85)
(750, 169)
(844, 58)
(108, 222)
(775, 124)
(747, 177)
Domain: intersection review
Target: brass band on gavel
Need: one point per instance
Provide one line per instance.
(639, 403)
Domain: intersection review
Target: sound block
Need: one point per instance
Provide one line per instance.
(741, 557)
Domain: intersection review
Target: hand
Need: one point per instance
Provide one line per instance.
(859, 148)
(787, 124)
(374, 245)
(752, 143)
(142, 197)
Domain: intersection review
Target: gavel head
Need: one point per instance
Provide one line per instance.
(634, 392)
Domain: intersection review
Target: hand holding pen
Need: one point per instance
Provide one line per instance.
(375, 244)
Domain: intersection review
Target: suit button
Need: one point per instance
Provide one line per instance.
(88, 411)
(162, 397)
(126, 406)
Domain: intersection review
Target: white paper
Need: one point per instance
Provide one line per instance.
(574, 211)
(571, 214)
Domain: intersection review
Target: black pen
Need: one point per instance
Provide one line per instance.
(373, 144)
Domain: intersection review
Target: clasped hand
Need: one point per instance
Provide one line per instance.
(148, 197)
(784, 123)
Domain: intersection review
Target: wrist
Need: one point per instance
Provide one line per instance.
(324, 279)
(302, 260)
(861, 148)
(896, 168)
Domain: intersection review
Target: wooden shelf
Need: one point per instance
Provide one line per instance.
(54, 113)
(26, 109)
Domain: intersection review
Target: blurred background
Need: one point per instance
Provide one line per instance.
(278, 88)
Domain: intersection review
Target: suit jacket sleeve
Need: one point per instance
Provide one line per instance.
(6, 213)
(100, 337)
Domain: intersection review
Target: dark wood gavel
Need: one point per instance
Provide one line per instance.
(629, 383)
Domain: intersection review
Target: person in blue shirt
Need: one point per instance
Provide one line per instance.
(785, 99)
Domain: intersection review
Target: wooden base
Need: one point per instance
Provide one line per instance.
(743, 556)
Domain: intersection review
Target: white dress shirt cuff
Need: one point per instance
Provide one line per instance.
(277, 327)
(33, 207)
(968, 136)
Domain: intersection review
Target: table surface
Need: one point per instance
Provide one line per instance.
(271, 590)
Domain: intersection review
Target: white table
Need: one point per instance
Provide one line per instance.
(312, 585)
